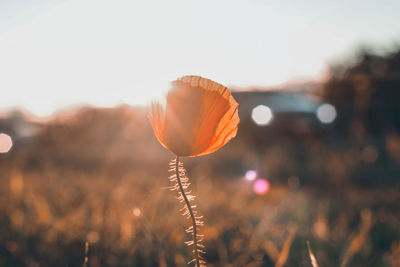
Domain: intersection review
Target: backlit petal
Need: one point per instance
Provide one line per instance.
(200, 117)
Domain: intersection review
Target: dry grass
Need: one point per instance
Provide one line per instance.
(81, 182)
(132, 219)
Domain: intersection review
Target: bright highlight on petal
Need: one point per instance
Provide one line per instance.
(200, 116)
(261, 186)
(261, 115)
(6, 143)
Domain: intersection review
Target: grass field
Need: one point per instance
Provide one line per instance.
(75, 185)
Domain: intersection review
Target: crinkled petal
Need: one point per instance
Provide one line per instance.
(201, 116)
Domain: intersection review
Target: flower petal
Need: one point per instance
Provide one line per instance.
(157, 121)
(226, 130)
(200, 117)
(184, 114)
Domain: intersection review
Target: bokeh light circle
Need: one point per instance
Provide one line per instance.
(6, 143)
(261, 115)
(261, 186)
(250, 175)
(326, 113)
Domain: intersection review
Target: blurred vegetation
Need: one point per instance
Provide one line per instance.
(367, 97)
(99, 175)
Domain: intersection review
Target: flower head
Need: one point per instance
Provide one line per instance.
(200, 116)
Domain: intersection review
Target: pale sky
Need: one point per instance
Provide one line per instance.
(54, 54)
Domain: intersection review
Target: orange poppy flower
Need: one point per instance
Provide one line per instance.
(200, 117)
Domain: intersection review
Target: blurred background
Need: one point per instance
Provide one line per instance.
(316, 158)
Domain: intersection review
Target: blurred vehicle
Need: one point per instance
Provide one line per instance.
(284, 112)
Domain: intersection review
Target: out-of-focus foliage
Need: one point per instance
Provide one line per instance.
(367, 97)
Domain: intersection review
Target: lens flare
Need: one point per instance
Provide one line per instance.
(326, 113)
(137, 212)
(6, 143)
(261, 186)
(261, 115)
(250, 175)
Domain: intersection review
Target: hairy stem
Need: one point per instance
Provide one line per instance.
(192, 216)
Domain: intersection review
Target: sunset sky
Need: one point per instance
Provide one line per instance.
(54, 54)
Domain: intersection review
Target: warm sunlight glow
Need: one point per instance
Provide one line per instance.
(6, 143)
(50, 61)
(261, 115)
(261, 186)
(326, 113)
